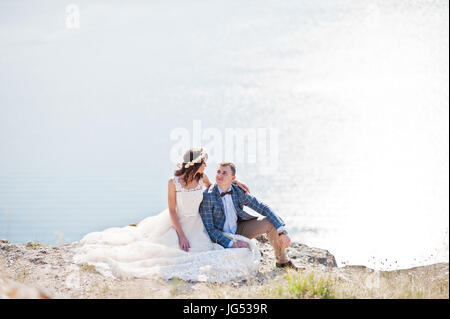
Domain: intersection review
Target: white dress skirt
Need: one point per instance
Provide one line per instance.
(151, 250)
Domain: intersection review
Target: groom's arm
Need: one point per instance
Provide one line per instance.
(261, 208)
(216, 236)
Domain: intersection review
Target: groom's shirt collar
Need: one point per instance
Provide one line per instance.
(222, 191)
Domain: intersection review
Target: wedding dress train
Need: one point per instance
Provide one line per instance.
(150, 249)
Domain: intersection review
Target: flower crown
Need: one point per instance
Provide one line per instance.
(203, 156)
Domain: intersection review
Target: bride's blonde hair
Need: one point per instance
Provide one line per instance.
(192, 160)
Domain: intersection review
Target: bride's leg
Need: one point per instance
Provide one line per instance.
(258, 226)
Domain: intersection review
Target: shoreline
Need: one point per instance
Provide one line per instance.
(35, 270)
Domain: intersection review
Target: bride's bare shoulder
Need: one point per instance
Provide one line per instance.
(171, 182)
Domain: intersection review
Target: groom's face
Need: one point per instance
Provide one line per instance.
(224, 175)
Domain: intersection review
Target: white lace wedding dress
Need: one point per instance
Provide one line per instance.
(150, 249)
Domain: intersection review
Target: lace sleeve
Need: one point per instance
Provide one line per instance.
(177, 183)
(180, 188)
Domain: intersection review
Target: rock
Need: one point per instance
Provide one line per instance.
(4, 241)
(37, 261)
(357, 268)
(311, 255)
(5, 247)
(33, 245)
(300, 254)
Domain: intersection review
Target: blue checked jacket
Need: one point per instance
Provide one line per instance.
(212, 212)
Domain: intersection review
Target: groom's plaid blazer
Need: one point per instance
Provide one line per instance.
(212, 212)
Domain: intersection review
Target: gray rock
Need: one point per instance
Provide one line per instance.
(37, 261)
(6, 248)
(300, 254)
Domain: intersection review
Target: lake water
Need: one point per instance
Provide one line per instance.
(357, 92)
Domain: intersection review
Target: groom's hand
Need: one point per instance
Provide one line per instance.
(285, 240)
(240, 244)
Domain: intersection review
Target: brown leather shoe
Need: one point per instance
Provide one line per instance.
(289, 265)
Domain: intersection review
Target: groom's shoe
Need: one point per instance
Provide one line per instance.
(289, 265)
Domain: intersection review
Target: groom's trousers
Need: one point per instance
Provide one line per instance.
(261, 225)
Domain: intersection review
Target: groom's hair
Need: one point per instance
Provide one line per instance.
(230, 165)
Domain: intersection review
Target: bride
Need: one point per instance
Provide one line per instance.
(173, 243)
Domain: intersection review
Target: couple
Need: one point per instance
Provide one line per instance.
(204, 235)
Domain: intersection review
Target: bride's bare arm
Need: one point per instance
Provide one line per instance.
(172, 199)
(206, 181)
(242, 185)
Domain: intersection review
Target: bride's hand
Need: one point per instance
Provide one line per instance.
(240, 244)
(242, 185)
(183, 242)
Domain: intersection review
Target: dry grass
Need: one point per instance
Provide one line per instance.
(306, 285)
(362, 284)
(86, 267)
(349, 284)
(35, 245)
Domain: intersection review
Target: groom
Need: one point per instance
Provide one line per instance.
(222, 212)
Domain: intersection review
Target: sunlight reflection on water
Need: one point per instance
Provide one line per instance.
(357, 91)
